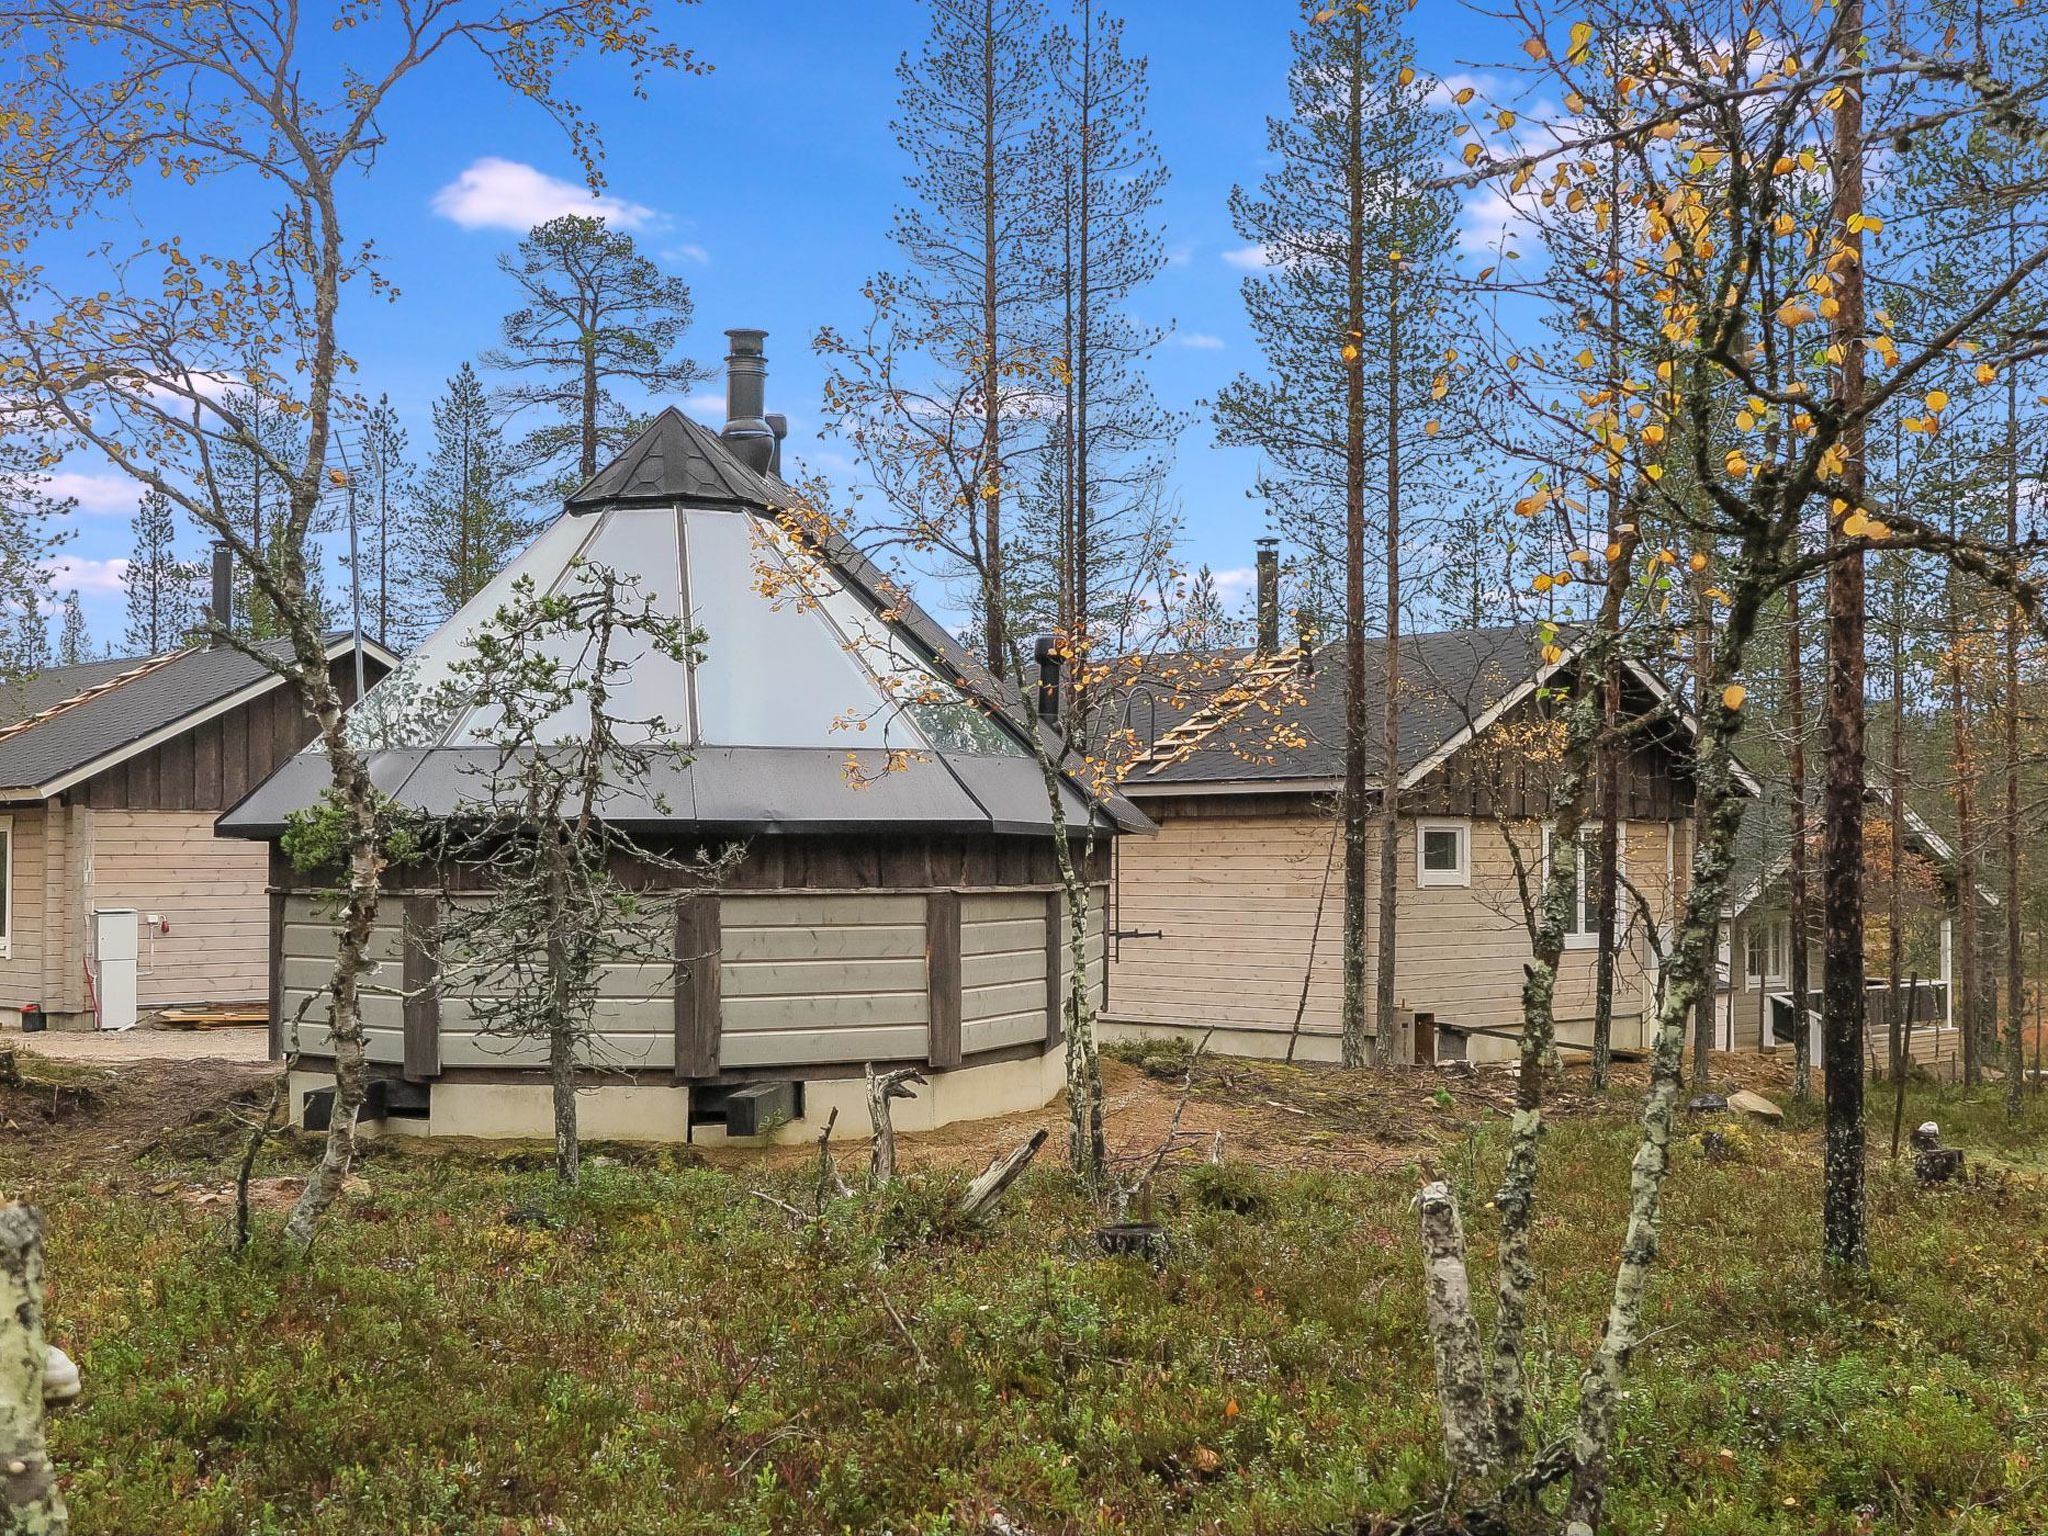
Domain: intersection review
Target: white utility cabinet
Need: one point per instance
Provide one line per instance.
(115, 946)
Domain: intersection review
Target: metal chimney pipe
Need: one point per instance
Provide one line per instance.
(223, 610)
(746, 431)
(1269, 596)
(1048, 658)
(779, 425)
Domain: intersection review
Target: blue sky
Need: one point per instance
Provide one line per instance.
(768, 185)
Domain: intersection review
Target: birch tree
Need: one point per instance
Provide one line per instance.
(125, 354)
(1717, 127)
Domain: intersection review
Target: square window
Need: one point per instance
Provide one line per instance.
(1442, 853)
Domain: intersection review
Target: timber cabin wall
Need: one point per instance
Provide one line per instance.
(140, 834)
(1234, 898)
(810, 980)
(1233, 884)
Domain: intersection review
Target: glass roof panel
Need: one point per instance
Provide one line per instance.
(775, 671)
(403, 710)
(651, 700)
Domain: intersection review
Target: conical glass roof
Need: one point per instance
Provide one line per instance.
(794, 654)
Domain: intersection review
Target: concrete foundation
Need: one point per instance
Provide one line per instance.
(625, 1112)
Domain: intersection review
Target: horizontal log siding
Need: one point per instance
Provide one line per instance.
(1236, 897)
(1098, 911)
(1234, 900)
(307, 955)
(1002, 970)
(822, 978)
(211, 889)
(21, 972)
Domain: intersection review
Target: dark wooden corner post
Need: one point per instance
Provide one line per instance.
(942, 978)
(699, 936)
(1055, 953)
(418, 976)
(277, 1051)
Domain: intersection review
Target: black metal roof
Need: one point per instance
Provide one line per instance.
(678, 460)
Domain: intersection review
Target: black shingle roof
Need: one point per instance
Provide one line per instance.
(1294, 728)
(97, 708)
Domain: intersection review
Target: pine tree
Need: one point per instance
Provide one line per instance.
(464, 524)
(385, 503)
(255, 498)
(74, 640)
(1347, 311)
(597, 315)
(29, 648)
(933, 389)
(1094, 526)
(1205, 624)
(162, 590)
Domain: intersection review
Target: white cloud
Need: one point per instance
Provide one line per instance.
(1237, 582)
(1488, 216)
(1248, 258)
(1180, 255)
(76, 573)
(95, 493)
(1201, 341)
(695, 253)
(507, 194)
(707, 407)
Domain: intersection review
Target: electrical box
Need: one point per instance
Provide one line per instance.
(114, 949)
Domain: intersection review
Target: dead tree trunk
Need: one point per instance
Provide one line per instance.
(995, 1180)
(34, 1503)
(882, 1087)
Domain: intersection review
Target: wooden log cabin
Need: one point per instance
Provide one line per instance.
(1231, 920)
(111, 775)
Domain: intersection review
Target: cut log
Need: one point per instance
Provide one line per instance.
(985, 1191)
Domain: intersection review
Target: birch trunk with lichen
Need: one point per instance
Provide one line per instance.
(1720, 811)
(33, 1502)
(1461, 1388)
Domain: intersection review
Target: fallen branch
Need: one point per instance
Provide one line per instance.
(985, 1191)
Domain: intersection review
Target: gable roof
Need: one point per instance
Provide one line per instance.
(812, 657)
(61, 725)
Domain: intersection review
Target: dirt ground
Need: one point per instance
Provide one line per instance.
(99, 1102)
(243, 1043)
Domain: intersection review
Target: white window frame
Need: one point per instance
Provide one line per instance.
(1776, 949)
(1462, 875)
(7, 888)
(1574, 938)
